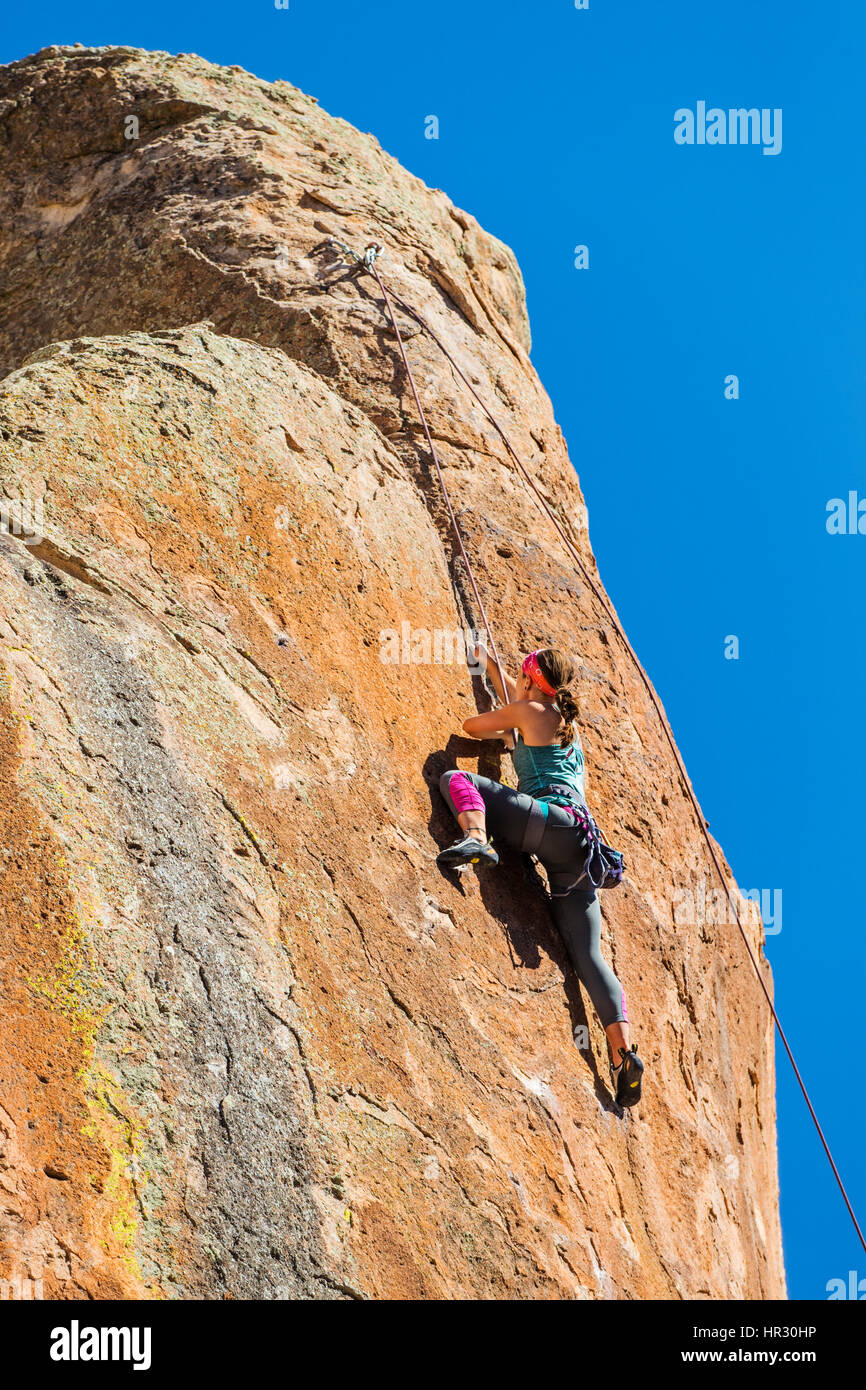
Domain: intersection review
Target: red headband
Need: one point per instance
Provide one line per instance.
(532, 669)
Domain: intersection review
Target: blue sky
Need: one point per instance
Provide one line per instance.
(707, 515)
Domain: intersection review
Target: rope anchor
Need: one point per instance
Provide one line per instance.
(372, 252)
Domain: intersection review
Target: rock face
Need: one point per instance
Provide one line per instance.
(254, 1043)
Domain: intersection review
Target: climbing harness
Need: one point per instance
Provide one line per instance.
(605, 866)
(367, 262)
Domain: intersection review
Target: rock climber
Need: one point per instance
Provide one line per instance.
(539, 709)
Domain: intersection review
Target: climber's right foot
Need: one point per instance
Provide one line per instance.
(467, 851)
(626, 1079)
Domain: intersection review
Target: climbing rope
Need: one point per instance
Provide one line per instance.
(367, 262)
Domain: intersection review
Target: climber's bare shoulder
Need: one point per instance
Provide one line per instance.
(535, 720)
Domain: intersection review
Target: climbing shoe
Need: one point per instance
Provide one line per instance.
(467, 851)
(626, 1078)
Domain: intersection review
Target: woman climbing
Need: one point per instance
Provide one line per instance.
(543, 817)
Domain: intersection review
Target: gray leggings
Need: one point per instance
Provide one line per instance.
(578, 914)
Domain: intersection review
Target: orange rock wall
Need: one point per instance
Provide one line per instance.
(255, 1044)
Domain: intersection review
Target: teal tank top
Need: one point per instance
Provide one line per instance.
(539, 768)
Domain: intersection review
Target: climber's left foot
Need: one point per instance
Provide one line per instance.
(467, 851)
(627, 1077)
